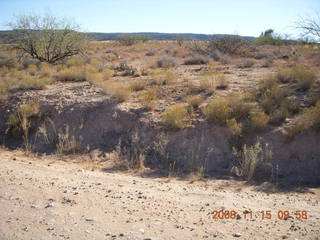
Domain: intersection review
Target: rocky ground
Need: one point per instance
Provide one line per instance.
(51, 198)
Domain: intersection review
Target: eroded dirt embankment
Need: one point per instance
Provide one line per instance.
(82, 111)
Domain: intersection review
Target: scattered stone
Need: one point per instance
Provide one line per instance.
(236, 235)
(90, 219)
(141, 230)
(49, 205)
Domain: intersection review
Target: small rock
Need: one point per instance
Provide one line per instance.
(141, 230)
(90, 219)
(49, 205)
(236, 235)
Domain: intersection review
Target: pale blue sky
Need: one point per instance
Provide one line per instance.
(246, 17)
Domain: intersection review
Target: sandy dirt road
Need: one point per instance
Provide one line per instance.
(45, 199)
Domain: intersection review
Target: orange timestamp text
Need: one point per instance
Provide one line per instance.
(263, 214)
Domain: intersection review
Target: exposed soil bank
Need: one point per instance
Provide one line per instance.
(81, 111)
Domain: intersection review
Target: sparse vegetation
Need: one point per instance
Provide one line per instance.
(250, 158)
(67, 142)
(166, 62)
(174, 117)
(259, 120)
(300, 75)
(197, 60)
(194, 101)
(217, 111)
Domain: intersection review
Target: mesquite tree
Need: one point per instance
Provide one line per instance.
(47, 38)
(310, 25)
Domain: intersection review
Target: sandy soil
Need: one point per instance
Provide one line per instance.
(43, 198)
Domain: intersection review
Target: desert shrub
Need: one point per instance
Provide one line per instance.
(194, 101)
(118, 91)
(234, 126)
(267, 63)
(219, 57)
(211, 80)
(166, 62)
(239, 108)
(198, 47)
(137, 85)
(72, 75)
(150, 53)
(245, 63)
(20, 121)
(192, 88)
(217, 111)
(261, 55)
(174, 117)
(197, 60)
(222, 82)
(307, 121)
(149, 96)
(258, 120)
(162, 77)
(228, 44)
(75, 62)
(301, 75)
(26, 62)
(7, 62)
(251, 158)
(208, 82)
(270, 94)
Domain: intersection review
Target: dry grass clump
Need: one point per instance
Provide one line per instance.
(138, 85)
(212, 80)
(250, 158)
(245, 63)
(222, 82)
(197, 60)
(75, 62)
(307, 121)
(118, 91)
(302, 76)
(67, 142)
(271, 93)
(234, 126)
(221, 109)
(217, 111)
(7, 62)
(20, 121)
(276, 99)
(159, 77)
(258, 120)
(72, 75)
(192, 88)
(194, 101)
(33, 83)
(166, 62)
(174, 117)
(239, 107)
(149, 96)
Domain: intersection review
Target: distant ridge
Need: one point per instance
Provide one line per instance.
(152, 35)
(161, 36)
